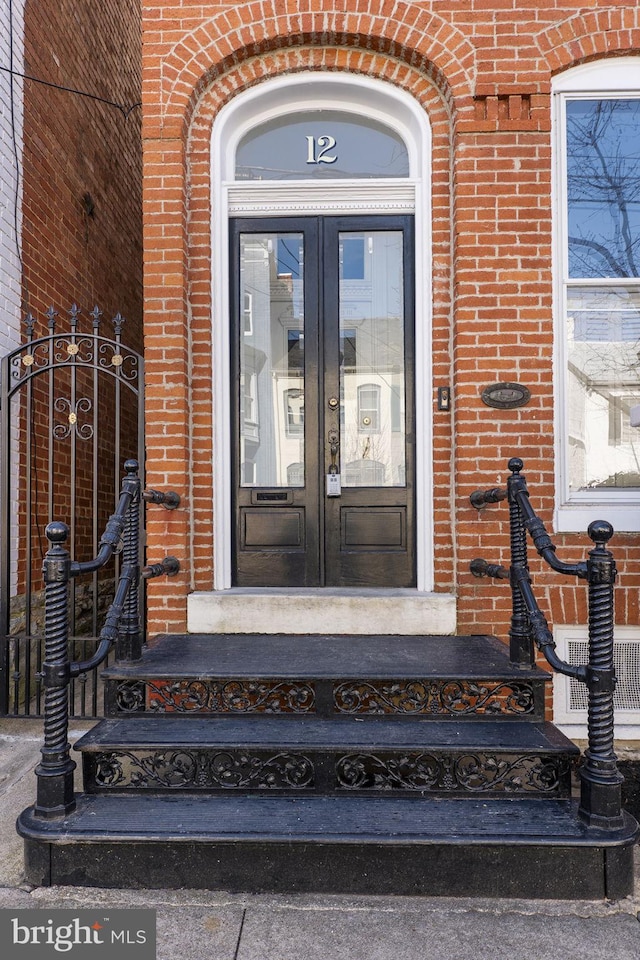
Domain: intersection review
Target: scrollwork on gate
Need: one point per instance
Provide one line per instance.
(83, 431)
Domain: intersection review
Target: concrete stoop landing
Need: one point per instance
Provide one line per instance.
(330, 764)
(354, 610)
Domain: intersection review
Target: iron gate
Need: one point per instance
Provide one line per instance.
(71, 413)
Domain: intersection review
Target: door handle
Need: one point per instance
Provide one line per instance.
(334, 447)
(333, 476)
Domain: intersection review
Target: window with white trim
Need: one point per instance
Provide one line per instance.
(597, 113)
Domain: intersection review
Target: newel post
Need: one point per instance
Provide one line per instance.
(600, 779)
(55, 796)
(129, 643)
(520, 638)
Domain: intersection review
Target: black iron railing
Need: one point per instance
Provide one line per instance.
(600, 779)
(122, 629)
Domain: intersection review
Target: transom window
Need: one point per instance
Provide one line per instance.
(323, 144)
(599, 290)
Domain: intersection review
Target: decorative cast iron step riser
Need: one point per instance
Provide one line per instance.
(424, 698)
(408, 773)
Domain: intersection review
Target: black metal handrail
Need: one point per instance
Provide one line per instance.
(517, 490)
(122, 628)
(600, 779)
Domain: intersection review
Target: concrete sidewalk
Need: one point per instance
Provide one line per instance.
(197, 925)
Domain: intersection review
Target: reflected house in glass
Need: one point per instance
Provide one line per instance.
(603, 290)
(272, 361)
(371, 361)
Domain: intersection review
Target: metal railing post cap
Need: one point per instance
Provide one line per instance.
(600, 531)
(56, 563)
(131, 467)
(57, 532)
(515, 464)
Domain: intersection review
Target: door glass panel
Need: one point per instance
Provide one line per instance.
(372, 387)
(271, 360)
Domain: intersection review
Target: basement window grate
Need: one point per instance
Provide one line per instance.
(626, 659)
(571, 696)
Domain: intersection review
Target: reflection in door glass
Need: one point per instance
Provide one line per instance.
(271, 360)
(372, 388)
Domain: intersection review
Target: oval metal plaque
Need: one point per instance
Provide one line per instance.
(506, 395)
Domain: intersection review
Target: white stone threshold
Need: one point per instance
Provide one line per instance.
(326, 610)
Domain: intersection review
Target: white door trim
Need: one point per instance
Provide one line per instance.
(287, 95)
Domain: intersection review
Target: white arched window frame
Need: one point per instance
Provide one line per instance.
(297, 94)
(588, 443)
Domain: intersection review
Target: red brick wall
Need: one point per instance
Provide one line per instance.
(482, 71)
(74, 146)
(81, 174)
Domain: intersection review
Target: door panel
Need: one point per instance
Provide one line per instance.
(274, 372)
(380, 527)
(368, 312)
(323, 374)
(273, 528)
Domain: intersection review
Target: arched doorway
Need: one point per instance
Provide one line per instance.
(322, 336)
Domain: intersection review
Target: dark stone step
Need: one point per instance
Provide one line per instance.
(516, 847)
(313, 731)
(300, 755)
(324, 656)
(439, 677)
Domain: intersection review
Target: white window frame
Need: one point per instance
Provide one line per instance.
(301, 92)
(247, 315)
(369, 407)
(574, 512)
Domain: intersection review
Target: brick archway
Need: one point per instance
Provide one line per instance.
(590, 34)
(400, 30)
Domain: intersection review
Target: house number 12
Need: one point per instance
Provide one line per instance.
(318, 149)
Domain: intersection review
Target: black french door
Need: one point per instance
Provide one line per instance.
(323, 402)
